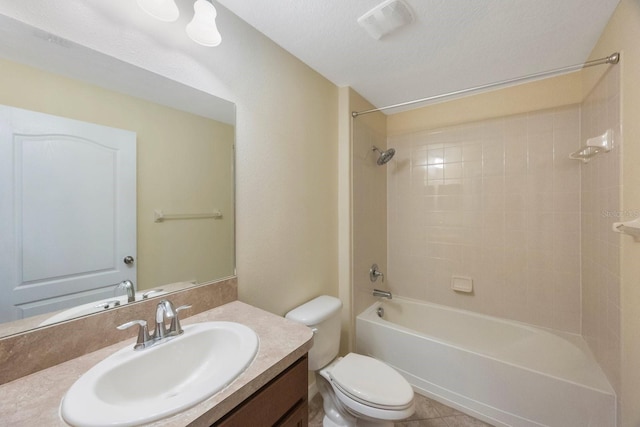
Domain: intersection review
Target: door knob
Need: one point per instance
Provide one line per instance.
(129, 260)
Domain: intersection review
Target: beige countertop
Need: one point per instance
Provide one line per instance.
(35, 399)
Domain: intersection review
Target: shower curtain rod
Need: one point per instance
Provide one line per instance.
(614, 58)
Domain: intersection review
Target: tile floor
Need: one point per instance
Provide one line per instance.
(429, 413)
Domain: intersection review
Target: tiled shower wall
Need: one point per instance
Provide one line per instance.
(601, 203)
(497, 201)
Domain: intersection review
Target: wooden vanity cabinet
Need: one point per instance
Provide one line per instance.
(283, 402)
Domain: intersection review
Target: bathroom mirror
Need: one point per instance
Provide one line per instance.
(184, 157)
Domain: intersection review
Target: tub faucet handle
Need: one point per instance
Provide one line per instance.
(374, 273)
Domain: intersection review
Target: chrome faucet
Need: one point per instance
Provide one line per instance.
(383, 294)
(127, 285)
(164, 310)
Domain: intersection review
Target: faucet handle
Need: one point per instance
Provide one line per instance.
(152, 291)
(183, 307)
(107, 304)
(374, 273)
(143, 333)
(175, 322)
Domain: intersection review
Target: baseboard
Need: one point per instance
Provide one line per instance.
(313, 390)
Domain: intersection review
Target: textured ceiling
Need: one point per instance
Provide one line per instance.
(451, 45)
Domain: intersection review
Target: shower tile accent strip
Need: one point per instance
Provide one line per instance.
(498, 201)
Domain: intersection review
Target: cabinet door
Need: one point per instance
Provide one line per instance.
(282, 402)
(299, 417)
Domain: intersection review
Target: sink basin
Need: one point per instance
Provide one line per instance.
(91, 307)
(135, 387)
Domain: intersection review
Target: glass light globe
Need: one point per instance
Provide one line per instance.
(202, 28)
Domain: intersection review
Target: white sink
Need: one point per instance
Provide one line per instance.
(131, 387)
(92, 307)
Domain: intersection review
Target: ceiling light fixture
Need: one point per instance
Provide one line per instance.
(202, 29)
(164, 10)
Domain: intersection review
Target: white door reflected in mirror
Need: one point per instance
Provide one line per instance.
(67, 211)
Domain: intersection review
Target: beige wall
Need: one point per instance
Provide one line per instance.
(345, 191)
(287, 183)
(287, 180)
(622, 34)
(533, 96)
(369, 202)
(362, 214)
(184, 165)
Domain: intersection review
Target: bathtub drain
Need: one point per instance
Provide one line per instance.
(380, 311)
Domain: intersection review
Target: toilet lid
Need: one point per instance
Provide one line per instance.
(371, 382)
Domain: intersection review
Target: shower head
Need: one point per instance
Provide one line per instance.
(385, 156)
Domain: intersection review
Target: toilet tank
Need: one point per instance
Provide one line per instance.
(322, 315)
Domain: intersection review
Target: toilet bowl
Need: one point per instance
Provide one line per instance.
(357, 390)
(368, 389)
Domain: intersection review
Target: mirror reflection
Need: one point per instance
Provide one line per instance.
(60, 197)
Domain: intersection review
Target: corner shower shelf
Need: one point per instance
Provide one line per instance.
(628, 227)
(598, 144)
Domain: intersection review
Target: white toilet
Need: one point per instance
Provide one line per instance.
(357, 390)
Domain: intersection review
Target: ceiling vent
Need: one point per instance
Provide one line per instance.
(385, 18)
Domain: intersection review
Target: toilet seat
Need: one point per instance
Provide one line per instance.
(370, 382)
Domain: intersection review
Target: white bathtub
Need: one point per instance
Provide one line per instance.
(505, 373)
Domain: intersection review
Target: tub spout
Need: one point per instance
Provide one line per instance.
(383, 294)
